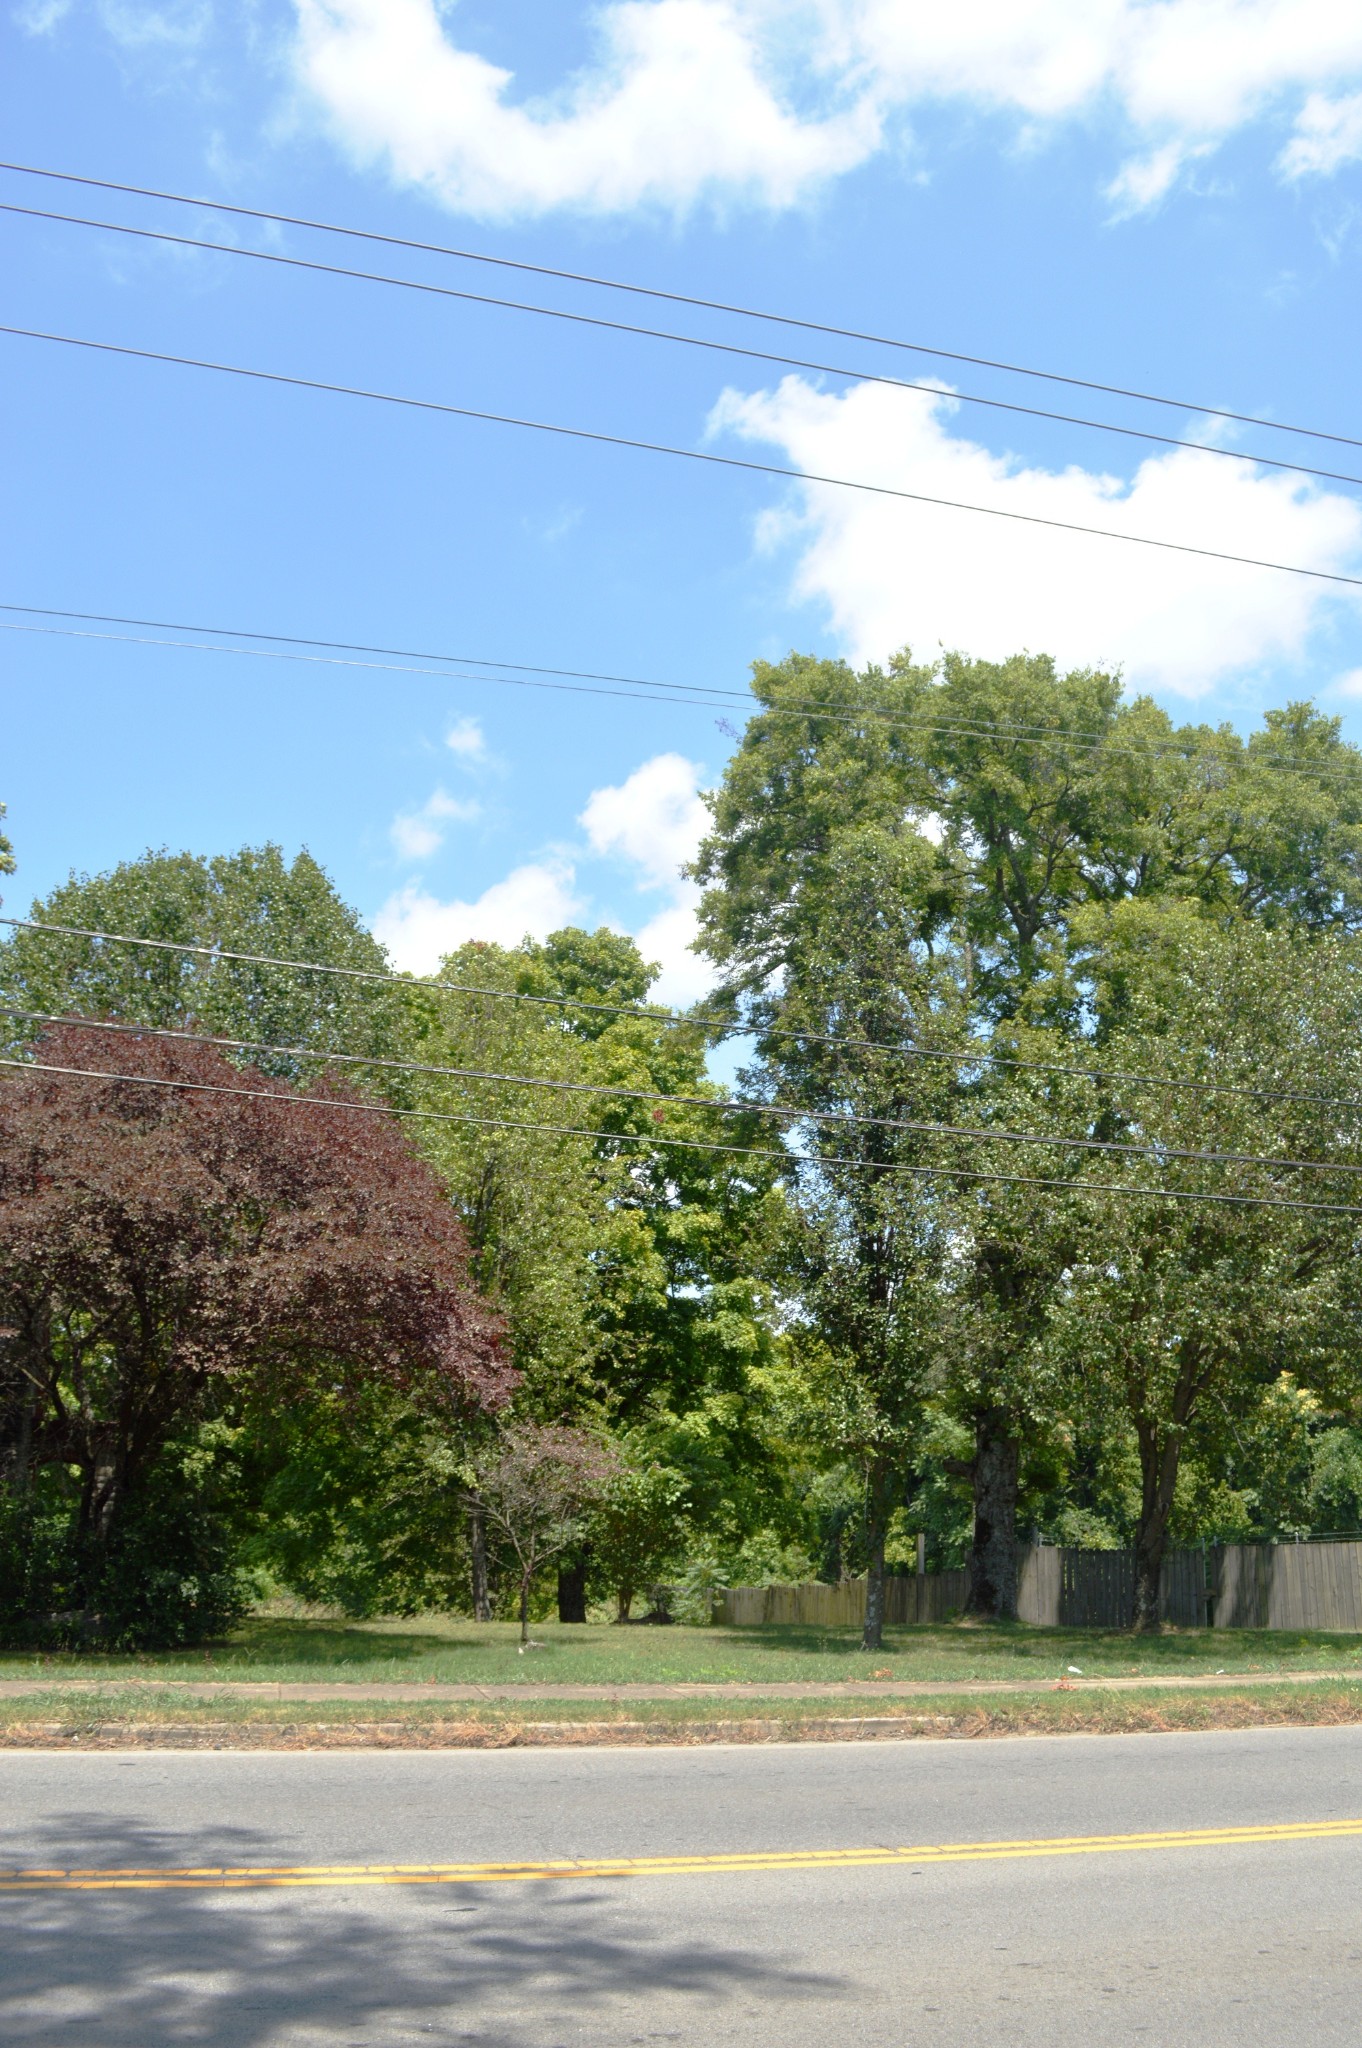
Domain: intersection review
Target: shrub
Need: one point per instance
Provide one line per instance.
(168, 1577)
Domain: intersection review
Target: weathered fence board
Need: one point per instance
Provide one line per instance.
(1236, 1585)
(1040, 1584)
(1288, 1585)
(819, 1606)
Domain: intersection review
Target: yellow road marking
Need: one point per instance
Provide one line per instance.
(248, 1877)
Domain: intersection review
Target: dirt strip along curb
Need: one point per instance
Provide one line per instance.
(525, 1693)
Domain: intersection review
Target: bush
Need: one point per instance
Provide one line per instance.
(167, 1578)
(38, 1574)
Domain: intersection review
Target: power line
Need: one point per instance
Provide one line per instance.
(360, 647)
(728, 348)
(600, 438)
(787, 1160)
(722, 1105)
(963, 1056)
(698, 695)
(712, 701)
(680, 299)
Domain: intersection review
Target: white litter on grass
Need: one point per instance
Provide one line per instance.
(1076, 1670)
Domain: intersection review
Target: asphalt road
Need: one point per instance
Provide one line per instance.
(1228, 1943)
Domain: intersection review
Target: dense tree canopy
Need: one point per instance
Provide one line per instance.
(932, 1279)
(155, 1240)
(981, 819)
(249, 902)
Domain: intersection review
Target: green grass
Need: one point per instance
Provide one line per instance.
(283, 1649)
(122, 1719)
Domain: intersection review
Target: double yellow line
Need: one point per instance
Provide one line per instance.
(313, 1876)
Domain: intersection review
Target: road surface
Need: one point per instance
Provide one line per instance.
(773, 1905)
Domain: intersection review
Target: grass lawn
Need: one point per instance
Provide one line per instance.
(279, 1648)
(114, 1719)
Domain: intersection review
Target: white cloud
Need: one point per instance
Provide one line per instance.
(418, 930)
(182, 25)
(418, 834)
(654, 821)
(466, 739)
(767, 100)
(679, 104)
(1349, 685)
(178, 25)
(1143, 181)
(683, 977)
(651, 823)
(890, 572)
(1328, 135)
(40, 17)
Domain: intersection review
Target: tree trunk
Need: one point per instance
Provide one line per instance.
(993, 1558)
(876, 1525)
(477, 1549)
(1159, 1460)
(572, 1591)
(524, 1607)
(624, 1600)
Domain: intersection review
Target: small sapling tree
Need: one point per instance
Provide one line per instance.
(534, 1486)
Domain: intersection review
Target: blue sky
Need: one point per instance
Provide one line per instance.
(1166, 196)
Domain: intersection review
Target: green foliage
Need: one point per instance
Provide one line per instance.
(629, 1268)
(170, 1576)
(808, 1368)
(252, 901)
(356, 1504)
(637, 1535)
(1334, 1501)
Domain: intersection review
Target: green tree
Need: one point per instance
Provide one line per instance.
(249, 902)
(829, 908)
(623, 1259)
(1186, 1311)
(638, 1531)
(1030, 796)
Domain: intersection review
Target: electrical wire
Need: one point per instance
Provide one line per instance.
(784, 1159)
(696, 1020)
(1040, 738)
(721, 1105)
(679, 299)
(391, 668)
(738, 462)
(486, 661)
(728, 348)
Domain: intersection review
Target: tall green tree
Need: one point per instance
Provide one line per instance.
(830, 910)
(625, 1256)
(1030, 796)
(1184, 1313)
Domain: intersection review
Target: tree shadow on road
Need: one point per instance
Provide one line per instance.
(489, 1965)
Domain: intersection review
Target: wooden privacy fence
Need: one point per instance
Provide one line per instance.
(1233, 1585)
(1096, 1588)
(926, 1599)
(1288, 1585)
